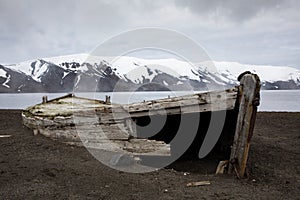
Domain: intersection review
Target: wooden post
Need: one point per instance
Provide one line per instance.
(45, 99)
(247, 107)
(107, 99)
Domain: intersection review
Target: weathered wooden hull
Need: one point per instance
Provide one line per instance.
(102, 125)
(66, 118)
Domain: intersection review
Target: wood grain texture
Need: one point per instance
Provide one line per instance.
(247, 108)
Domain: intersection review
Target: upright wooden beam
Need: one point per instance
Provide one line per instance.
(247, 108)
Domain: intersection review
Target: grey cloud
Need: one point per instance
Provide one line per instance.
(247, 31)
(47, 28)
(233, 10)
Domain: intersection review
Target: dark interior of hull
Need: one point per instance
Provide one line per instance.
(189, 130)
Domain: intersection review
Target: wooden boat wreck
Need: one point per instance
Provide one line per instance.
(120, 128)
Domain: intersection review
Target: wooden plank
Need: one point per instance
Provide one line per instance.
(86, 132)
(214, 99)
(136, 147)
(111, 137)
(247, 108)
(62, 97)
(133, 146)
(198, 183)
(215, 102)
(188, 109)
(146, 147)
(203, 102)
(5, 136)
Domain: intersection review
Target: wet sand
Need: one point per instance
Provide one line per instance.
(35, 167)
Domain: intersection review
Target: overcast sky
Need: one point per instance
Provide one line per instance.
(252, 32)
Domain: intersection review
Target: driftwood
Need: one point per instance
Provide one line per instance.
(221, 167)
(5, 136)
(199, 183)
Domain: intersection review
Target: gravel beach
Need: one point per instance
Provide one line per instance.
(35, 167)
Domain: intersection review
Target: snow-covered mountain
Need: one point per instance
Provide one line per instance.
(81, 72)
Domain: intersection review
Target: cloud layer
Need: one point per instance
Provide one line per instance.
(254, 32)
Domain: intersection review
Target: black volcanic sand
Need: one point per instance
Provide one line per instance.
(35, 167)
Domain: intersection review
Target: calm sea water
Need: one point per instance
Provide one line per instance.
(271, 100)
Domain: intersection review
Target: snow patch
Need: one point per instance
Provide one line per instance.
(137, 67)
(265, 72)
(3, 73)
(39, 69)
(65, 74)
(7, 80)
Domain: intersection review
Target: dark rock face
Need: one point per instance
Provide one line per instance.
(281, 85)
(18, 82)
